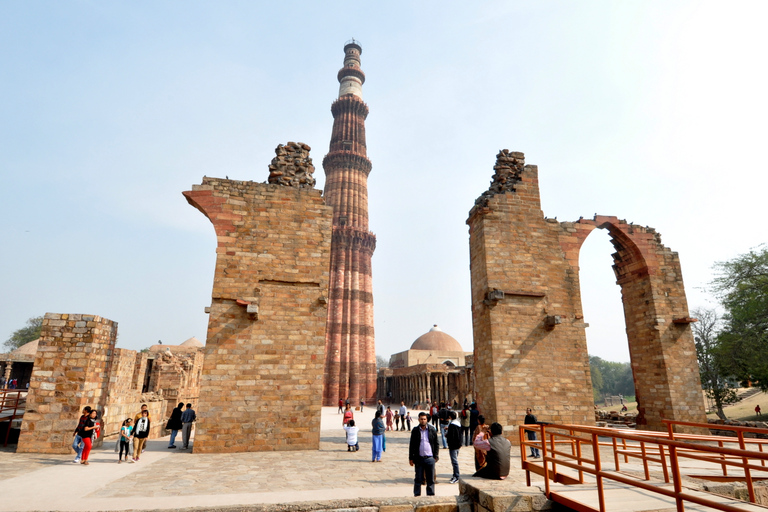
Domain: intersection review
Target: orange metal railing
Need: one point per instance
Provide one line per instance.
(12, 405)
(578, 448)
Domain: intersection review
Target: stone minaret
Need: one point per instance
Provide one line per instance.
(350, 355)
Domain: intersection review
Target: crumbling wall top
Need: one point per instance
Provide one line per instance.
(507, 174)
(292, 167)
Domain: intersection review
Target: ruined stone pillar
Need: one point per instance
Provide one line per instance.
(262, 378)
(7, 375)
(530, 343)
(71, 371)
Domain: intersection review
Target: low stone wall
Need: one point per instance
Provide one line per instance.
(734, 423)
(502, 496)
(420, 504)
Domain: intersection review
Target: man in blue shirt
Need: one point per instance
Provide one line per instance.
(187, 418)
(423, 454)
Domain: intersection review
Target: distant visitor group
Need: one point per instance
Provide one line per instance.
(134, 432)
(466, 427)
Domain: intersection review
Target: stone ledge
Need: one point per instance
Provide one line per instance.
(502, 495)
(415, 504)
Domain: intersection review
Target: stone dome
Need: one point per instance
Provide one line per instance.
(436, 339)
(192, 342)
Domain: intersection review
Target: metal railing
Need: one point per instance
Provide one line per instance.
(12, 405)
(578, 447)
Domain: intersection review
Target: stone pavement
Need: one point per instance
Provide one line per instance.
(175, 479)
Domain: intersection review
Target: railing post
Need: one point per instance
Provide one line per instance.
(578, 454)
(676, 479)
(544, 460)
(645, 461)
(663, 463)
(615, 453)
(598, 471)
(747, 472)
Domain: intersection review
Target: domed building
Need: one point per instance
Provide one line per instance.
(433, 347)
(435, 368)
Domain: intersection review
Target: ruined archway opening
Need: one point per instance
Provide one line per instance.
(607, 342)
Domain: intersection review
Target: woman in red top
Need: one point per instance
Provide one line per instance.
(348, 415)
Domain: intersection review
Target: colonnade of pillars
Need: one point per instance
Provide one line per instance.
(425, 387)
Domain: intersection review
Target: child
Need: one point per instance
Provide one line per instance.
(140, 435)
(126, 434)
(351, 429)
(408, 420)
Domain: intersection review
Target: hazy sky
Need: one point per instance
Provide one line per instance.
(651, 111)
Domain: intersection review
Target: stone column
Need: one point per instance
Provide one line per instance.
(7, 375)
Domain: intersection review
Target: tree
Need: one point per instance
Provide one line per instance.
(713, 376)
(741, 285)
(610, 378)
(24, 335)
(381, 362)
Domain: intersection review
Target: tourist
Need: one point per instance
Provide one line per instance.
(408, 420)
(389, 418)
(466, 433)
(188, 417)
(433, 414)
(378, 437)
(90, 428)
(140, 435)
(138, 416)
(126, 435)
(351, 430)
(480, 433)
(444, 420)
(397, 419)
(348, 416)
(341, 406)
(496, 465)
(174, 424)
(346, 402)
(77, 443)
(380, 408)
(757, 410)
(403, 411)
(473, 414)
(530, 419)
(423, 451)
(454, 444)
(362, 404)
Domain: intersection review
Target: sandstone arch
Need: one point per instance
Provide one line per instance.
(529, 330)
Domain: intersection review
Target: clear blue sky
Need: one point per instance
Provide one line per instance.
(651, 111)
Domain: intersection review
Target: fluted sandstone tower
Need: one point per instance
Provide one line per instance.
(350, 355)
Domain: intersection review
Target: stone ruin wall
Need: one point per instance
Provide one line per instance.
(262, 379)
(76, 365)
(71, 371)
(529, 329)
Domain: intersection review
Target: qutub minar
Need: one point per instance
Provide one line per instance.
(350, 354)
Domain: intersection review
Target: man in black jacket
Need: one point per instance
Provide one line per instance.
(423, 453)
(454, 444)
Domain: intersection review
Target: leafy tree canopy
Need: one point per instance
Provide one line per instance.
(28, 333)
(714, 377)
(742, 287)
(610, 378)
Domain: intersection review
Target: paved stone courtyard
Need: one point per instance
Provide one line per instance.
(173, 479)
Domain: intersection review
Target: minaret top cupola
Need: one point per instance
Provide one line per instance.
(351, 77)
